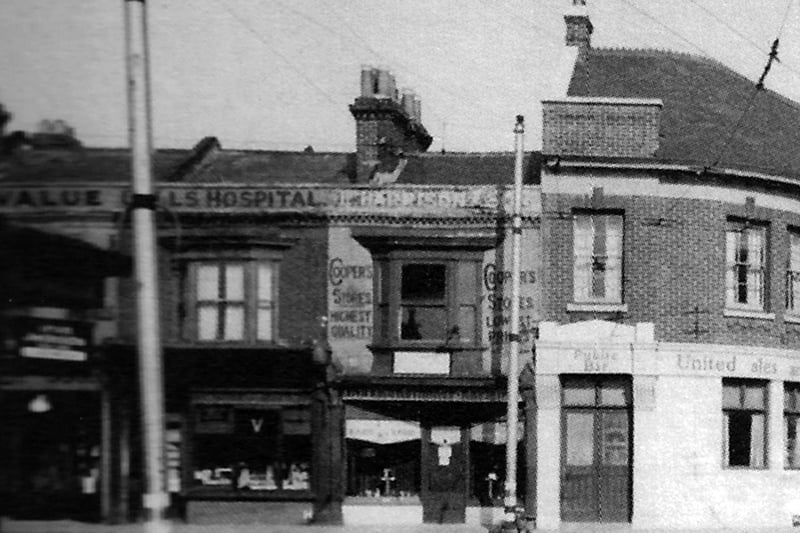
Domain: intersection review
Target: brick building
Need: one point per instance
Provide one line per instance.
(335, 324)
(391, 261)
(666, 366)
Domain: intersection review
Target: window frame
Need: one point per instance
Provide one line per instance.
(583, 294)
(793, 272)
(733, 266)
(388, 301)
(251, 261)
(742, 384)
(791, 415)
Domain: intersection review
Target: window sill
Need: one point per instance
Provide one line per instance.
(748, 313)
(792, 318)
(597, 308)
(425, 347)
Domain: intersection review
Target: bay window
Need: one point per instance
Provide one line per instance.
(428, 299)
(232, 300)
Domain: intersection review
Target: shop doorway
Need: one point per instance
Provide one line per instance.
(444, 494)
(596, 441)
(51, 455)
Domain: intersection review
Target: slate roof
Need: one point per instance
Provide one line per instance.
(239, 166)
(254, 167)
(91, 165)
(487, 168)
(703, 100)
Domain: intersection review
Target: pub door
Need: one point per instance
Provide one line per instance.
(446, 465)
(596, 438)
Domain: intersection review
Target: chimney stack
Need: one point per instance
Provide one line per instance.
(579, 27)
(387, 126)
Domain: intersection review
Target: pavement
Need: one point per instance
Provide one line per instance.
(67, 526)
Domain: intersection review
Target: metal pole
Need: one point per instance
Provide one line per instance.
(151, 388)
(510, 500)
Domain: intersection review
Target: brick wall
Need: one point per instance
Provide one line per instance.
(301, 291)
(612, 127)
(672, 267)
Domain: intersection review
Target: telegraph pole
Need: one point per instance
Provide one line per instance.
(510, 500)
(155, 499)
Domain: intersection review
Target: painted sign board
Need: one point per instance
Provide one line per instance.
(196, 198)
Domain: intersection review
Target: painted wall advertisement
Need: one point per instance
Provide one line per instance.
(350, 300)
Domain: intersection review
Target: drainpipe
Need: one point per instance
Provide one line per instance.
(512, 417)
(155, 499)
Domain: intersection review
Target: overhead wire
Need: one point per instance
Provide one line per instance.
(310, 82)
(757, 88)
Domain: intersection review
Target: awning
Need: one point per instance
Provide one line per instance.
(44, 253)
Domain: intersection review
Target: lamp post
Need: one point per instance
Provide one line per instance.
(512, 416)
(155, 499)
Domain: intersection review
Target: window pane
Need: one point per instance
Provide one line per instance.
(234, 323)
(731, 396)
(757, 441)
(207, 322)
(614, 438)
(754, 397)
(579, 393)
(423, 323)
(466, 323)
(207, 282)
(792, 459)
(383, 282)
(264, 327)
(234, 283)
(423, 282)
(739, 438)
(583, 238)
(265, 282)
(613, 394)
(467, 287)
(580, 445)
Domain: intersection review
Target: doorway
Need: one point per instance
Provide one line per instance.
(444, 494)
(51, 455)
(596, 471)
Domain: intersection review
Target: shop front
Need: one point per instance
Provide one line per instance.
(250, 435)
(426, 450)
(662, 435)
(55, 402)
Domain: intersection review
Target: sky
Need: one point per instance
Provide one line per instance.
(280, 74)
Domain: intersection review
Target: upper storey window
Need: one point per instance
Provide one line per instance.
(233, 300)
(597, 258)
(793, 274)
(426, 299)
(745, 266)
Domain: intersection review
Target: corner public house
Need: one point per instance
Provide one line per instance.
(336, 325)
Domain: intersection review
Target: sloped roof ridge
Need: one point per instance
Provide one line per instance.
(655, 52)
(664, 52)
(463, 154)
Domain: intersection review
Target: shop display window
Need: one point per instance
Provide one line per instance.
(252, 449)
(744, 409)
(487, 453)
(383, 470)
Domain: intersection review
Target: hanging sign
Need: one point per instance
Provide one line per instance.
(54, 339)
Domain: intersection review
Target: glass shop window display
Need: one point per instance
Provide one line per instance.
(383, 470)
(251, 449)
